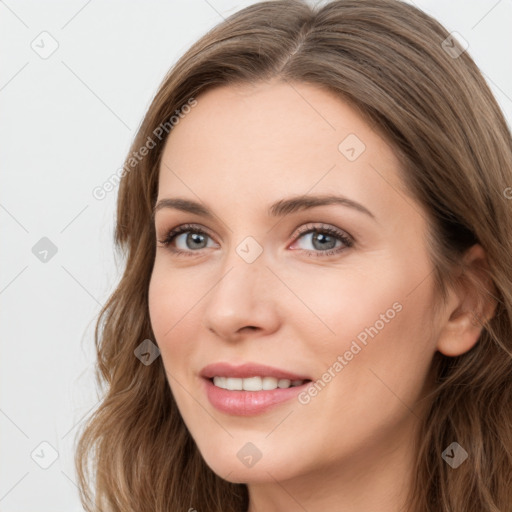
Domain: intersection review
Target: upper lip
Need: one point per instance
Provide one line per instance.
(248, 370)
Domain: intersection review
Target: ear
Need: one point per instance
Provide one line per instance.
(469, 306)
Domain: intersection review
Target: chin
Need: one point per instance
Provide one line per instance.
(231, 466)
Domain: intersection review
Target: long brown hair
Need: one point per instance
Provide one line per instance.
(412, 81)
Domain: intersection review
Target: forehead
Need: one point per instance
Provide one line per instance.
(272, 139)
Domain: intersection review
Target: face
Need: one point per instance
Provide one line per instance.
(330, 301)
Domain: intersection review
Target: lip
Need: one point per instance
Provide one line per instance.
(247, 370)
(248, 403)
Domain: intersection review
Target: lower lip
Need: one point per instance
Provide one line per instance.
(249, 403)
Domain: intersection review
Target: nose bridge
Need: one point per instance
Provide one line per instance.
(242, 295)
(244, 275)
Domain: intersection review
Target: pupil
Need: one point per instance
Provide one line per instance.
(195, 237)
(323, 239)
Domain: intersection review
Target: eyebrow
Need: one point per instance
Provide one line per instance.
(278, 209)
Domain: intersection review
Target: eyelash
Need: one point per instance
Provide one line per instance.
(185, 228)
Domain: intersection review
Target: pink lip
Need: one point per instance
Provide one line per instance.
(248, 403)
(248, 370)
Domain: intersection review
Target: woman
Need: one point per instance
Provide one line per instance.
(316, 308)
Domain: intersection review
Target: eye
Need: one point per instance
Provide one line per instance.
(192, 237)
(326, 240)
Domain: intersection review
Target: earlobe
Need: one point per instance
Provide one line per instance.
(459, 335)
(469, 307)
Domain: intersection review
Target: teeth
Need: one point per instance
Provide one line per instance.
(269, 383)
(234, 384)
(254, 383)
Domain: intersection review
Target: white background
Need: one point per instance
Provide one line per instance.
(66, 125)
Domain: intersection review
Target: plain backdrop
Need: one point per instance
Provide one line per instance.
(67, 121)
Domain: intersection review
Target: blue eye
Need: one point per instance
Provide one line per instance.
(194, 235)
(323, 237)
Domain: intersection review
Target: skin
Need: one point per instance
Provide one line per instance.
(351, 447)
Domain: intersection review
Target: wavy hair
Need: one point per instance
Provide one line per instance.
(410, 80)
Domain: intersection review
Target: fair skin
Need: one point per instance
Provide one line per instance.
(351, 447)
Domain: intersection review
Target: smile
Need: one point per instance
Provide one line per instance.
(254, 383)
(250, 388)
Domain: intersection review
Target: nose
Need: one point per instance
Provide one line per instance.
(243, 300)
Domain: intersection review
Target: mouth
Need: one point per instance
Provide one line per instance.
(248, 371)
(250, 389)
(256, 383)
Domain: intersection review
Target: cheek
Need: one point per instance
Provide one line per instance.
(387, 347)
(377, 319)
(168, 303)
(371, 373)
(337, 305)
(171, 294)
(157, 297)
